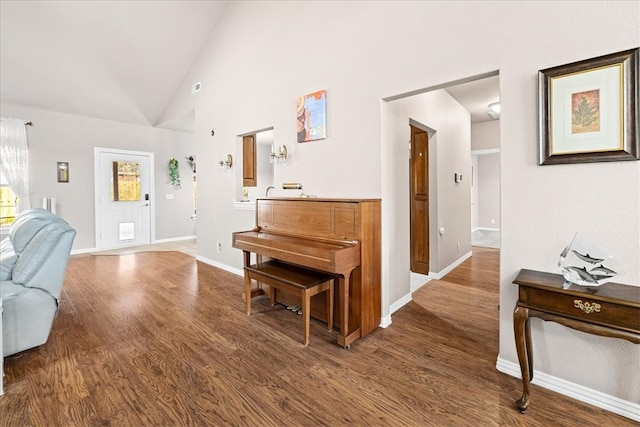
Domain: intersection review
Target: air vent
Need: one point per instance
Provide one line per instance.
(196, 87)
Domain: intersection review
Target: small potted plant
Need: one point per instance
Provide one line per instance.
(174, 173)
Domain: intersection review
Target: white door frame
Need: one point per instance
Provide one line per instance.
(97, 151)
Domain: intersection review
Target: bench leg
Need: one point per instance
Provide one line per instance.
(247, 293)
(272, 295)
(329, 293)
(306, 315)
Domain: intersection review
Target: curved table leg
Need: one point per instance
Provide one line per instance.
(522, 334)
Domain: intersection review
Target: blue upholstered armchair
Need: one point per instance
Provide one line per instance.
(33, 262)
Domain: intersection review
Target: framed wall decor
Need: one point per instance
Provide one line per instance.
(311, 115)
(63, 171)
(588, 110)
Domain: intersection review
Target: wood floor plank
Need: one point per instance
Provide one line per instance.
(159, 339)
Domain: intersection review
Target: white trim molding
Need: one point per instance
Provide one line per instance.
(399, 304)
(485, 229)
(485, 151)
(175, 239)
(584, 394)
(385, 322)
(447, 270)
(225, 267)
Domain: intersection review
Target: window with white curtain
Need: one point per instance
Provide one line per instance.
(14, 164)
(8, 203)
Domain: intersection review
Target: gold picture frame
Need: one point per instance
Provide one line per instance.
(588, 110)
(63, 171)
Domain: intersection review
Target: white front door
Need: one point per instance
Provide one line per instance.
(124, 181)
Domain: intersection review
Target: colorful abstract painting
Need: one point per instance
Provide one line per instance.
(312, 116)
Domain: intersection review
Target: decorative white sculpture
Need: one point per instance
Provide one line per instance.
(584, 264)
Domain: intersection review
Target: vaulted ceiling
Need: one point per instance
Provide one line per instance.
(121, 60)
(116, 60)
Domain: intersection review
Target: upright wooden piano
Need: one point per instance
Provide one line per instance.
(336, 236)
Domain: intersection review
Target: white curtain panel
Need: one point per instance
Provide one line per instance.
(14, 159)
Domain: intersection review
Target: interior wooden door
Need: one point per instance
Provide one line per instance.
(419, 201)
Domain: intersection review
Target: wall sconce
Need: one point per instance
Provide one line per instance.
(192, 162)
(494, 110)
(280, 156)
(226, 163)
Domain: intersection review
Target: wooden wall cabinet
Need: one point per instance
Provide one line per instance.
(249, 161)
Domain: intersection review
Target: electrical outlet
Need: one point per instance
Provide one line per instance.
(219, 247)
(458, 247)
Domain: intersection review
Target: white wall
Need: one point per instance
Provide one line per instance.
(474, 192)
(489, 191)
(56, 137)
(485, 135)
(362, 52)
(485, 193)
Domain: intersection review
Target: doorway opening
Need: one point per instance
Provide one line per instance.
(448, 114)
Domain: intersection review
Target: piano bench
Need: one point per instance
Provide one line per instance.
(294, 279)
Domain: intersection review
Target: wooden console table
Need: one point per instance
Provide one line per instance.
(610, 310)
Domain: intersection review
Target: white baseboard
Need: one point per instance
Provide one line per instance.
(418, 280)
(175, 239)
(170, 240)
(485, 229)
(385, 322)
(447, 270)
(83, 251)
(398, 305)
(225, 267)
(584, 394)
(485, 151)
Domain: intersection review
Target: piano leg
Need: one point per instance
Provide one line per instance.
(247, 283)
(345, 338)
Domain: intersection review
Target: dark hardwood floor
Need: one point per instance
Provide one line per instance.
(159, 339)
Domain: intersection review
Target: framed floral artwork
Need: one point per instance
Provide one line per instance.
(588, 110)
